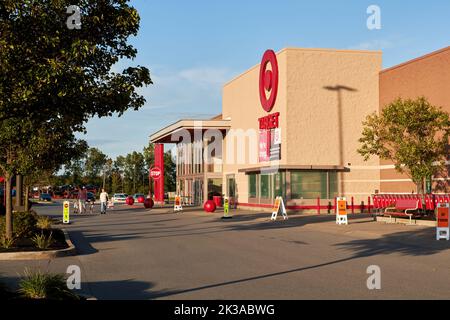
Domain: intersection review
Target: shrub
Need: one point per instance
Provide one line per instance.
(6, 243)
(24, 224)
(38, 285)
(44, 223)
(42, 241)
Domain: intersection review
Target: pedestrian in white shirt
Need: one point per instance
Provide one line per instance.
(103, 201)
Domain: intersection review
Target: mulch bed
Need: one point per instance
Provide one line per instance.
(27, 245)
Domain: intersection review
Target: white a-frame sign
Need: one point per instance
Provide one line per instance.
(277, 207)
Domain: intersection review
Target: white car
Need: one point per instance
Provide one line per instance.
(120, 197)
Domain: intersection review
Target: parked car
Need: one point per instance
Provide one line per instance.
(90, 197)
(73, 195)
(120, 197)
(45, 197)
(136, 196)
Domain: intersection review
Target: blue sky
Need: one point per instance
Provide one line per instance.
(193, 47)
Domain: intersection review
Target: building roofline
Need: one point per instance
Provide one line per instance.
(329, 50)
(427, 56)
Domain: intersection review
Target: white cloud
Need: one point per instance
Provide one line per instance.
(200, 87)
(190, 93)
(393, 41)
(373, 45)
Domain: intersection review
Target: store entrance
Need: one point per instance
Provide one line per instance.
(198, 192)
(231, 189)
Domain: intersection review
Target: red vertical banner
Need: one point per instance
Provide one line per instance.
(159, 182)
(264, 145)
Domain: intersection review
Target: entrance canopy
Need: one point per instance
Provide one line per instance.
(165, 134)
(287, 168)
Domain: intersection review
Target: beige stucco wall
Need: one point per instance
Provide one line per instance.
(309, 112)
(323, 125)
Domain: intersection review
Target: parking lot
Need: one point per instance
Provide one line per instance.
(131, 253)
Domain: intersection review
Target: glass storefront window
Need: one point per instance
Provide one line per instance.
(252, 186)
(214, 188)
(231, 186)
(279, 184)
(308, 185)
(333, 184)
(265, 186)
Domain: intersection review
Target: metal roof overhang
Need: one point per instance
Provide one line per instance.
(275, 168)
(165, 135)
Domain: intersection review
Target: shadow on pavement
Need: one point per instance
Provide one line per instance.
(417, 243)
(121, 290)
(406, 243)
(82, 244)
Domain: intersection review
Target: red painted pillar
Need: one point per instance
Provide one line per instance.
(353, 205)
(369, 203)
(159, 183)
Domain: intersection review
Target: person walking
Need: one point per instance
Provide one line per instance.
(82, 197)
(103, 201)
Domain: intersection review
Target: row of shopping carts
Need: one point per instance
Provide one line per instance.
(427, 202)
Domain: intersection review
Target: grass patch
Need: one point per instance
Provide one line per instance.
(44, 223)
(37, 285)
(43, 242)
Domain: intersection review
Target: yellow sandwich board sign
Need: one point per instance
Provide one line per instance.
(177, 205)
(66, 212)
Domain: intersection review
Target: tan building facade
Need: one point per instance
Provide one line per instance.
(304, 147)
(427, 76)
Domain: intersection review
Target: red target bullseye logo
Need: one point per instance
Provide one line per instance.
(268, 80)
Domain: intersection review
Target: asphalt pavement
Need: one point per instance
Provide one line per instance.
(133, 253)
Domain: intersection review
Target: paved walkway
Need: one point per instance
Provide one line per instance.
(138, 254)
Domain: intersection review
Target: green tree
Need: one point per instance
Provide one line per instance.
(94, 166)
(134, 172)
(74, 171)
(50, 73)
(413, 134)
(116, 180)
(107, 173)
(119, 172)
(170, 174)
(149, 158)
(45, 153)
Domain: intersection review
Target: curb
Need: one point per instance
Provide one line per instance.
(415, 222)
(42, 255)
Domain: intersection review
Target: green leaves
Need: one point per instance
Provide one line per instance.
(53, 80)
(413, 134)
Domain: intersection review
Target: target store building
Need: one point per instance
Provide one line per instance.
(289, 127)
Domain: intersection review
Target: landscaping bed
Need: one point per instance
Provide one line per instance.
(36, 285)
(27, 244)
(31, 233)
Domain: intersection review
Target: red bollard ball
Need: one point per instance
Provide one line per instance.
(148, 203)
(209, 206)
(140, 199)
(130, 201)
